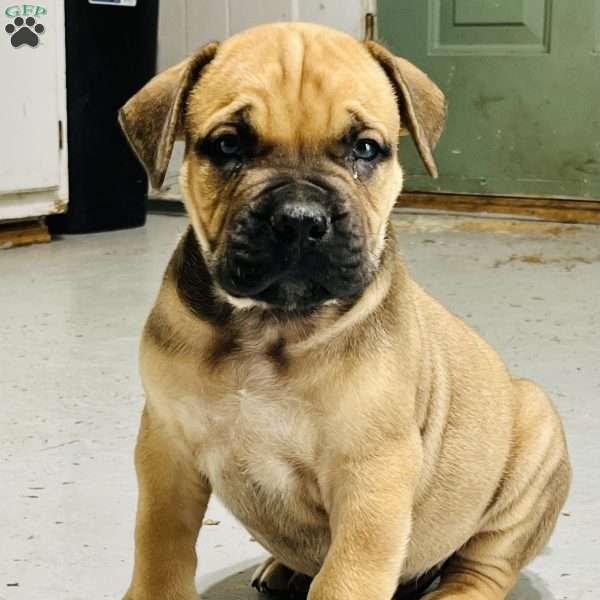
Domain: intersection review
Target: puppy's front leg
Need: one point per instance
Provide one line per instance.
(370, 517)
(172, 501)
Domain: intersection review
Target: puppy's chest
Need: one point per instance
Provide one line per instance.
(259, 451)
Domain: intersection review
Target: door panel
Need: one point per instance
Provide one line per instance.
(522, 79)
(486, 12)
(489, 26)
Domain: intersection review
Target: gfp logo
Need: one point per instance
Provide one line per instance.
(24, 29)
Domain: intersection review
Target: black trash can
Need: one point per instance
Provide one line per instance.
(111, 53)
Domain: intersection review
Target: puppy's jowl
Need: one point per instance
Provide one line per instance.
(365, 436)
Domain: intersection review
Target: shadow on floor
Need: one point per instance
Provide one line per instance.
(531, 587)
(236, 586)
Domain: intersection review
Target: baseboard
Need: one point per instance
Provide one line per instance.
(169, 206)
(23, 233)
(545, 209)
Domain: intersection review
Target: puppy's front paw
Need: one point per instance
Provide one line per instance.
(274, 577)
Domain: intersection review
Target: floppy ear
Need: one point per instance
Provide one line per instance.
(421, 103)
(153, 118)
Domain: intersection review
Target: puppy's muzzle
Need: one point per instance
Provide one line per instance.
(295, 246)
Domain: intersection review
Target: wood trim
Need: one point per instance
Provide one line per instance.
(23, 233)
(546, 209)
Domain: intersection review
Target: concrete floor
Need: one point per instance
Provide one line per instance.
(72, 312)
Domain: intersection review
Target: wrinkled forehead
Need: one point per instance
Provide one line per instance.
(294, 84)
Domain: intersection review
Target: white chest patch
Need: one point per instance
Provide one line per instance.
(259, 438)
(259, 453)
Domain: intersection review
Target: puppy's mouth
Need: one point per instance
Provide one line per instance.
(289, 290)
(295, 248)
(294, 294)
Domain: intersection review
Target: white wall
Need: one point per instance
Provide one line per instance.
(184, 25)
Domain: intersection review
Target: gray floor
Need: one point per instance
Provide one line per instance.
(70, 396)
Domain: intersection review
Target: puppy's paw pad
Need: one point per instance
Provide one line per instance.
(24, 31)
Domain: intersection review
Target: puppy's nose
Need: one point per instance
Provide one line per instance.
(299, 217)
(296, 222)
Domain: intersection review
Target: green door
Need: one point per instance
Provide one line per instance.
(522, 79)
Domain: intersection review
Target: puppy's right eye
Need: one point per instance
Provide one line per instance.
(366, 149)
(225, 150)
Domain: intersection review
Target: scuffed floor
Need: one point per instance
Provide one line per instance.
(70, 396)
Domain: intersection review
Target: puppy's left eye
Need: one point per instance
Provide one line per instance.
(366, 149)
(228, 145)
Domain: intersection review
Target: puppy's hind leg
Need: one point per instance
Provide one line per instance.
(522, 516)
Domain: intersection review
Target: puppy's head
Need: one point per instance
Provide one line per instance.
(291, 166)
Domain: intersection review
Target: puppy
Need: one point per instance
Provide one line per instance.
(365, 436)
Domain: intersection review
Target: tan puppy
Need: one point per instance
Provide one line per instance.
(364, 435)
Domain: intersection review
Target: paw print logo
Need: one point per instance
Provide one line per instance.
(24, 31)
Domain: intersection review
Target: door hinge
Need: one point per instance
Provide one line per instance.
(60, 135)
(369, 26)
